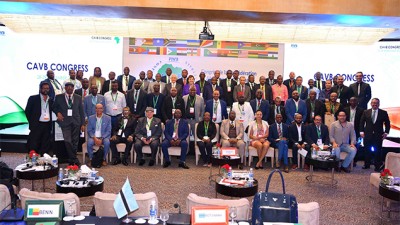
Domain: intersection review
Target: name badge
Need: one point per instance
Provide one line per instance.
(191, 110)
(155, 111)
(134, 107)
(312, 114)
(206, 137)
(82, 134)
(120, 132)
(46, 117)
(260, 135)
(319, 142)
(148, 133)
(201, 94)
(69, 112)
(114, 107)
(243, 113)
(174, 135)
(229, 89)
(173, 111)
(214, 117)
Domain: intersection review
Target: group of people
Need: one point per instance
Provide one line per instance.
(271, 113)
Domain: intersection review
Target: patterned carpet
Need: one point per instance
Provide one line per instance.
(349, 203)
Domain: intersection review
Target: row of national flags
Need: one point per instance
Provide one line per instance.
(205, 48)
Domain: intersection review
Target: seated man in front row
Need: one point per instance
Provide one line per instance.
(176, 132)
(99, 132)
(317, 137)
(278, 137)
(124, 132)
(148, 132)
(232, 132)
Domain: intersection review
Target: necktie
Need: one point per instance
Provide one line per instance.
(262, 88)
(373, 116)
(242, 87)
(167, 79)
(279, 130)
(259, 103)
(213, 87)
(69, 101)
(278, 110)
(318, 84)
(176, 129)
(126, 81)
(55, 83)
(358, 89)
(84, 93)
(136, 95)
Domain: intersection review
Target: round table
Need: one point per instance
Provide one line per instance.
(239, 191)
(33, 175)
(217, 161)
(388, 193)
(93, 187)
(324, 164)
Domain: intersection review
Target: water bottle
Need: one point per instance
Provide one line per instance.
(218, 152)
(333, 153)
(314, 153)
(251, 175)
(153, 211)
(230, 173)
(55, 161)
(60, 174)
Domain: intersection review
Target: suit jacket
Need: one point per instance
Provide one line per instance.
(264, 107)
(131, 79)
(337, 108)
(273, 133)
(247, 93)
(164, 79)
(323, 84)
(252, 89)
(228, 96)
(268, 80)
(290, 107)
(287, 84)
(210, 108)
(155, 127)
(303, 93)
(357, 118)
(52, 94)
(183, 129)
(158, 105)
(374, 129)
(60, 106)
(198, 105)
(33, 110)
(225, 125)
(267, 92)
(206, 83)
(319, 109)
(208, 92)
(89, 108)
(344, 94)
(106, 86)
(211, 133)
(272, 109)
(92, 81)
(312, 134)
(80, 92)
(364, 96)
(294, 133)
(129, 129)
(167, 107)
(167, 89)
(151, 87)
(145, 85)
(180, 81)
(105, 126)
(141, 103)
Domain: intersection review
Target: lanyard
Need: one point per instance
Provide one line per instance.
(176, 125)
(136, 97)
(94, 100)
(258, 104)
(193, 101)
(201, 85)
(114, 100)
(173, 102)
(55, 84)
(123, 123)
(312, 106)
(206, 128)
(333, 108)
(215, 107)
(228, 82)
(148, 124)
(155, 102)
(258, 128)
(46, 103)
(240, 109)
(98, 123)
(319, 132)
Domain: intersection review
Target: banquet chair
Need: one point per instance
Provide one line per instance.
(84, 149)
(392, 162)
(252, 152)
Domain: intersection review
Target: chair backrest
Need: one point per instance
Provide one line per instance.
(242, 205)
(216, 139)
(26, 194)
(103, 203)
(392, 162)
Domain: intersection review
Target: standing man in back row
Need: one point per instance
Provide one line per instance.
(126, 80)
(361, 90)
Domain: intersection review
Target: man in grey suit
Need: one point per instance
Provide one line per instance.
(148, 132)
(90, 102)
(69, 110)
(172, 84)
(232, 132)
(242, 89)
(157, 81)
(145, 83)
(194, 108)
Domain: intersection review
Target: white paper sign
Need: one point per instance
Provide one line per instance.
(302, 152)
(58, 135)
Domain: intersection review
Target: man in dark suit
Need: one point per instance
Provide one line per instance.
(344, 92)
(176, 132)
(217, 75)
(289, 83)
(136, 100)
(228, 85)
(184, 79)
(276, 108)
(260, 104)
(155, 100)
(170, 104)
(126, 80)
(84, 91)
(124, 132)
(361, 90)
(55, 86)
(202, 83)
(302, 90)
(107, 84)
(148, 132)
(317, 135)
(371, 129)
(353, 115)
(38, 112)
(297, 136)
(320, 84)
(167, 78)
(242, 89)
(267, 90)
(314, 107)
(271, 78)
(172, 83)
(278, 137)
(252, 86)
(217, 108)
(69, 110)
(209, 90)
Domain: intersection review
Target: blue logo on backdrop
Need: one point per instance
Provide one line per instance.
(2, 33)
(347, 77)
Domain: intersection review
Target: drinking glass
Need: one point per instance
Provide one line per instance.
(164, 216)
(71, 210)
(232, 214)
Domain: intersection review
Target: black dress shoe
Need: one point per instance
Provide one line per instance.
(142, 162)
(346, 170)
(183, 165)
(366, 167)
(256, 167)
(116, 161)
(240, 166)
(151, 163)
(166, 164)
(124, 162)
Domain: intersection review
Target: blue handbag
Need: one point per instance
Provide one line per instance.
(274, 207)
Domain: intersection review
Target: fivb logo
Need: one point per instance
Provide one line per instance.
(2, 33)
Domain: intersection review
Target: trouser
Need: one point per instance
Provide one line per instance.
(71, 134)
(115, 119)
(239, 144)
(184, 149)
(105, 143)
(282, 151)
(374, 142)
(153, 146)
(192, 123)
(295, 151)
(128, 147)
(205, 150)
(351, 153)
(39, 138)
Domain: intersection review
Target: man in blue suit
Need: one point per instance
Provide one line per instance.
(176, 132)
(99, 133)
(126, 80)
(295, 105)
(209, 90)
(217, 108)
(90, 102)
(278, 137)
(260, 104)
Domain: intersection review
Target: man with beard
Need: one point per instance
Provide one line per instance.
(361, 90)
(84, 91)
(114, 103)
(314, 107)
(90, 102)
(107, 84)
(126, 80)
(260, 104)
(297, 136)
(343, 92)
(155, 100)
(72, 79)
(295, 105)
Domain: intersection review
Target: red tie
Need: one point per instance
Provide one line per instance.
(84, 93)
